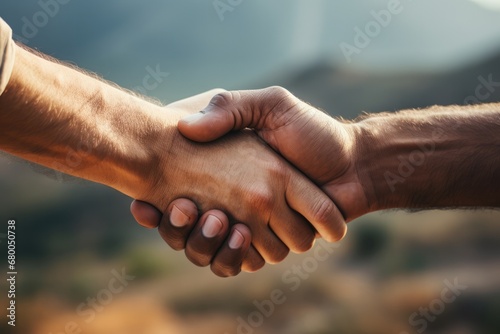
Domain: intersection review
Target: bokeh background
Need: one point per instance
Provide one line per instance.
(391, 267)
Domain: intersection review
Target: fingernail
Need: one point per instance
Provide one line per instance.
(193, 118)
(178, 218)
(212, 227)
(236, 240)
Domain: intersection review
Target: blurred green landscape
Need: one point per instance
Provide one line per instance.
(391, 266)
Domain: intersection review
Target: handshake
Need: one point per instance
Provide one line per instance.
(256, 174)
(268, 174)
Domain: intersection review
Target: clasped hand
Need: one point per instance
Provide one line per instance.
(239, 197)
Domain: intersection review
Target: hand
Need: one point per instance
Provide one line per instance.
(274, 200)
(318, 145)
(321, 147)
(225, 250)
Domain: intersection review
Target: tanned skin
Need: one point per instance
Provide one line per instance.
(440, 157)
(61, 118)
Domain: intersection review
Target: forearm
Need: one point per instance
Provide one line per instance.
(435, 158)
(63, 119)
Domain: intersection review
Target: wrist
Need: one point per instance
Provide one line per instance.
(390, 160)
(422, 158)
(369, 147)
(146, 134)
(79, 125)
(347, 185)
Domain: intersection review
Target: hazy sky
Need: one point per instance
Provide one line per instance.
(491, 4)
(258, 40)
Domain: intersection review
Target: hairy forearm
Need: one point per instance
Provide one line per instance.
(434, 158)
(63, 119)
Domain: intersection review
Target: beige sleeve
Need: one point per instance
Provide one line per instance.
(6, 54)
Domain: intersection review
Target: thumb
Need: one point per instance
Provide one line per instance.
(226, 111)
(307, 199)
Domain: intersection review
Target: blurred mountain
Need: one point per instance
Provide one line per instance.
(56, 211)
(119, 39)
(348, 92)
(71, 234)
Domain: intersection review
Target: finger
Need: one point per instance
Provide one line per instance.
(228, 260)
(268, 244)
(236, 110)
(253, 261)
(307, 199)
(177, 223)
(145, 214)
(226, 111)
(293, 229)
(207, 237)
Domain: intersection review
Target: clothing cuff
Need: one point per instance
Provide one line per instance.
(7, 53)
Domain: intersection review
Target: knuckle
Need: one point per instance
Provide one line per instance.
(278, 92)
(280, 103)
(225, 270)
(174, 240)
(253, 261)
(217, 90)
(196, 258)
(176, 237)
(262, 198)
(253, 265)
(227, 101)
(221, 99)
(282, 98)
(278, 255)
(327, 215)
(305, 243)
(323, 212)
